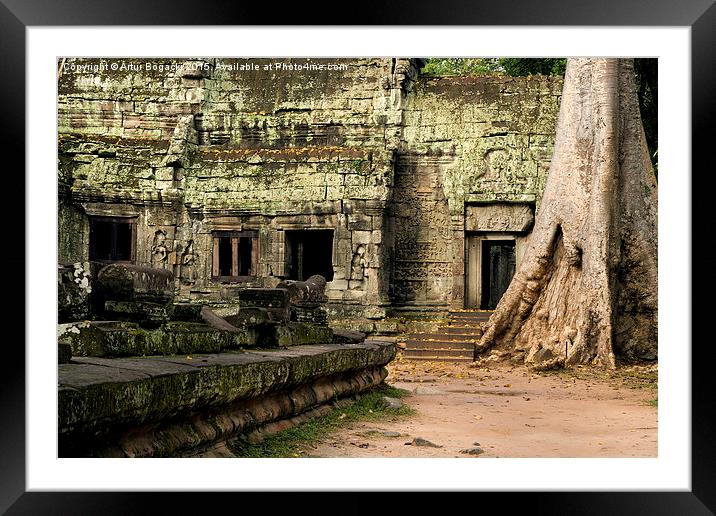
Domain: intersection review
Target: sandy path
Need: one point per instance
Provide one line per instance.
(510, 413)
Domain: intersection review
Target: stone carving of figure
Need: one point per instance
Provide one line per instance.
(187, 257)
(188, 274)
(159, 248)
(358, 264)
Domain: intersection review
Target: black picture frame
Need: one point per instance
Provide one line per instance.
(17, 15)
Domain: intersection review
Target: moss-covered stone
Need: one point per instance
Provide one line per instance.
(122, 339)
(298, 333)
(96, 394)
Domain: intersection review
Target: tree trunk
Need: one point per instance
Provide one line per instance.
(586, 288)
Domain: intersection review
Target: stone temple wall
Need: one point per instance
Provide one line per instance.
(388, 161)
(468, 141)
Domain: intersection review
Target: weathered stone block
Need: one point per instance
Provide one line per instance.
(276, 298)
(338, 284)
(386, 327)
(361, 237)
(120, 338)
(140, 311)
(315, 315)
(300, 333)
(64, 354)
(186, 312)
(129, 282)
(263, 304)
(309, 293)
(360, 222)
(341, 336)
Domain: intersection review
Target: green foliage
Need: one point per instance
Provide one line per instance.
(439, 67)
(534, 66)
(493, 66)
(293, 442)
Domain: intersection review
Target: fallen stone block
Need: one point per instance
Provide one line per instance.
(296, 334)
(309, 293)
(347, 336)
(129, 282)
(272, 301)
(122, 338)
(140, 311)
(187, 312)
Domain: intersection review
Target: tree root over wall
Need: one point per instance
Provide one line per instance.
(586, 289)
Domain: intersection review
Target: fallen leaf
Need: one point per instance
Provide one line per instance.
(478, 417)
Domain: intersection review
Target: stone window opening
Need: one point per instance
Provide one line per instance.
(112, 239)
(234, 255)
(309, 252)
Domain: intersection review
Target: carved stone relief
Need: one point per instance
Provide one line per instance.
(499, 217)
(160, 252)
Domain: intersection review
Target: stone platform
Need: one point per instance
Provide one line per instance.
(178, 405)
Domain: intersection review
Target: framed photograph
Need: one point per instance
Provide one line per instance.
(40, 41)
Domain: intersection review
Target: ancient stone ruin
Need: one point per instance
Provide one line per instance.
(229, 235)
(410, 195)
(153, 377)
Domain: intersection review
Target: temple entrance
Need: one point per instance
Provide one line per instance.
(498, 267)
(490, 266)
(309, 252)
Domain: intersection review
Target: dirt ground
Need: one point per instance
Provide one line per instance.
(502, 410)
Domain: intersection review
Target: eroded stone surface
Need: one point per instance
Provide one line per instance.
(103, 399)
(121, 339)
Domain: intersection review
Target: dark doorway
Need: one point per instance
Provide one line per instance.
(309, 252)
(498, 267)
(111, 239)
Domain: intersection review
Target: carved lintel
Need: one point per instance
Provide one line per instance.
(516, 218)
(110, 210)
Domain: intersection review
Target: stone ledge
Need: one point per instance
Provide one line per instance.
(126, 339)
(199, 433)
(98, 397)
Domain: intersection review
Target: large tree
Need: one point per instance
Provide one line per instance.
(586, 288)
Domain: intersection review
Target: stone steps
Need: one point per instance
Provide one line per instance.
(476, 316)
(471, 331)
(445, 336)
(440, 358)
(452, 343)
(439, 344)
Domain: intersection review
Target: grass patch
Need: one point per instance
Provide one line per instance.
(295, 441)
(654, 402)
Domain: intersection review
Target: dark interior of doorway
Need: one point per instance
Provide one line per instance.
(498, 267)
(310, 252)
(110, 239)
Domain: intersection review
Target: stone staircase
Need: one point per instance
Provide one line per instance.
(454, 342)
